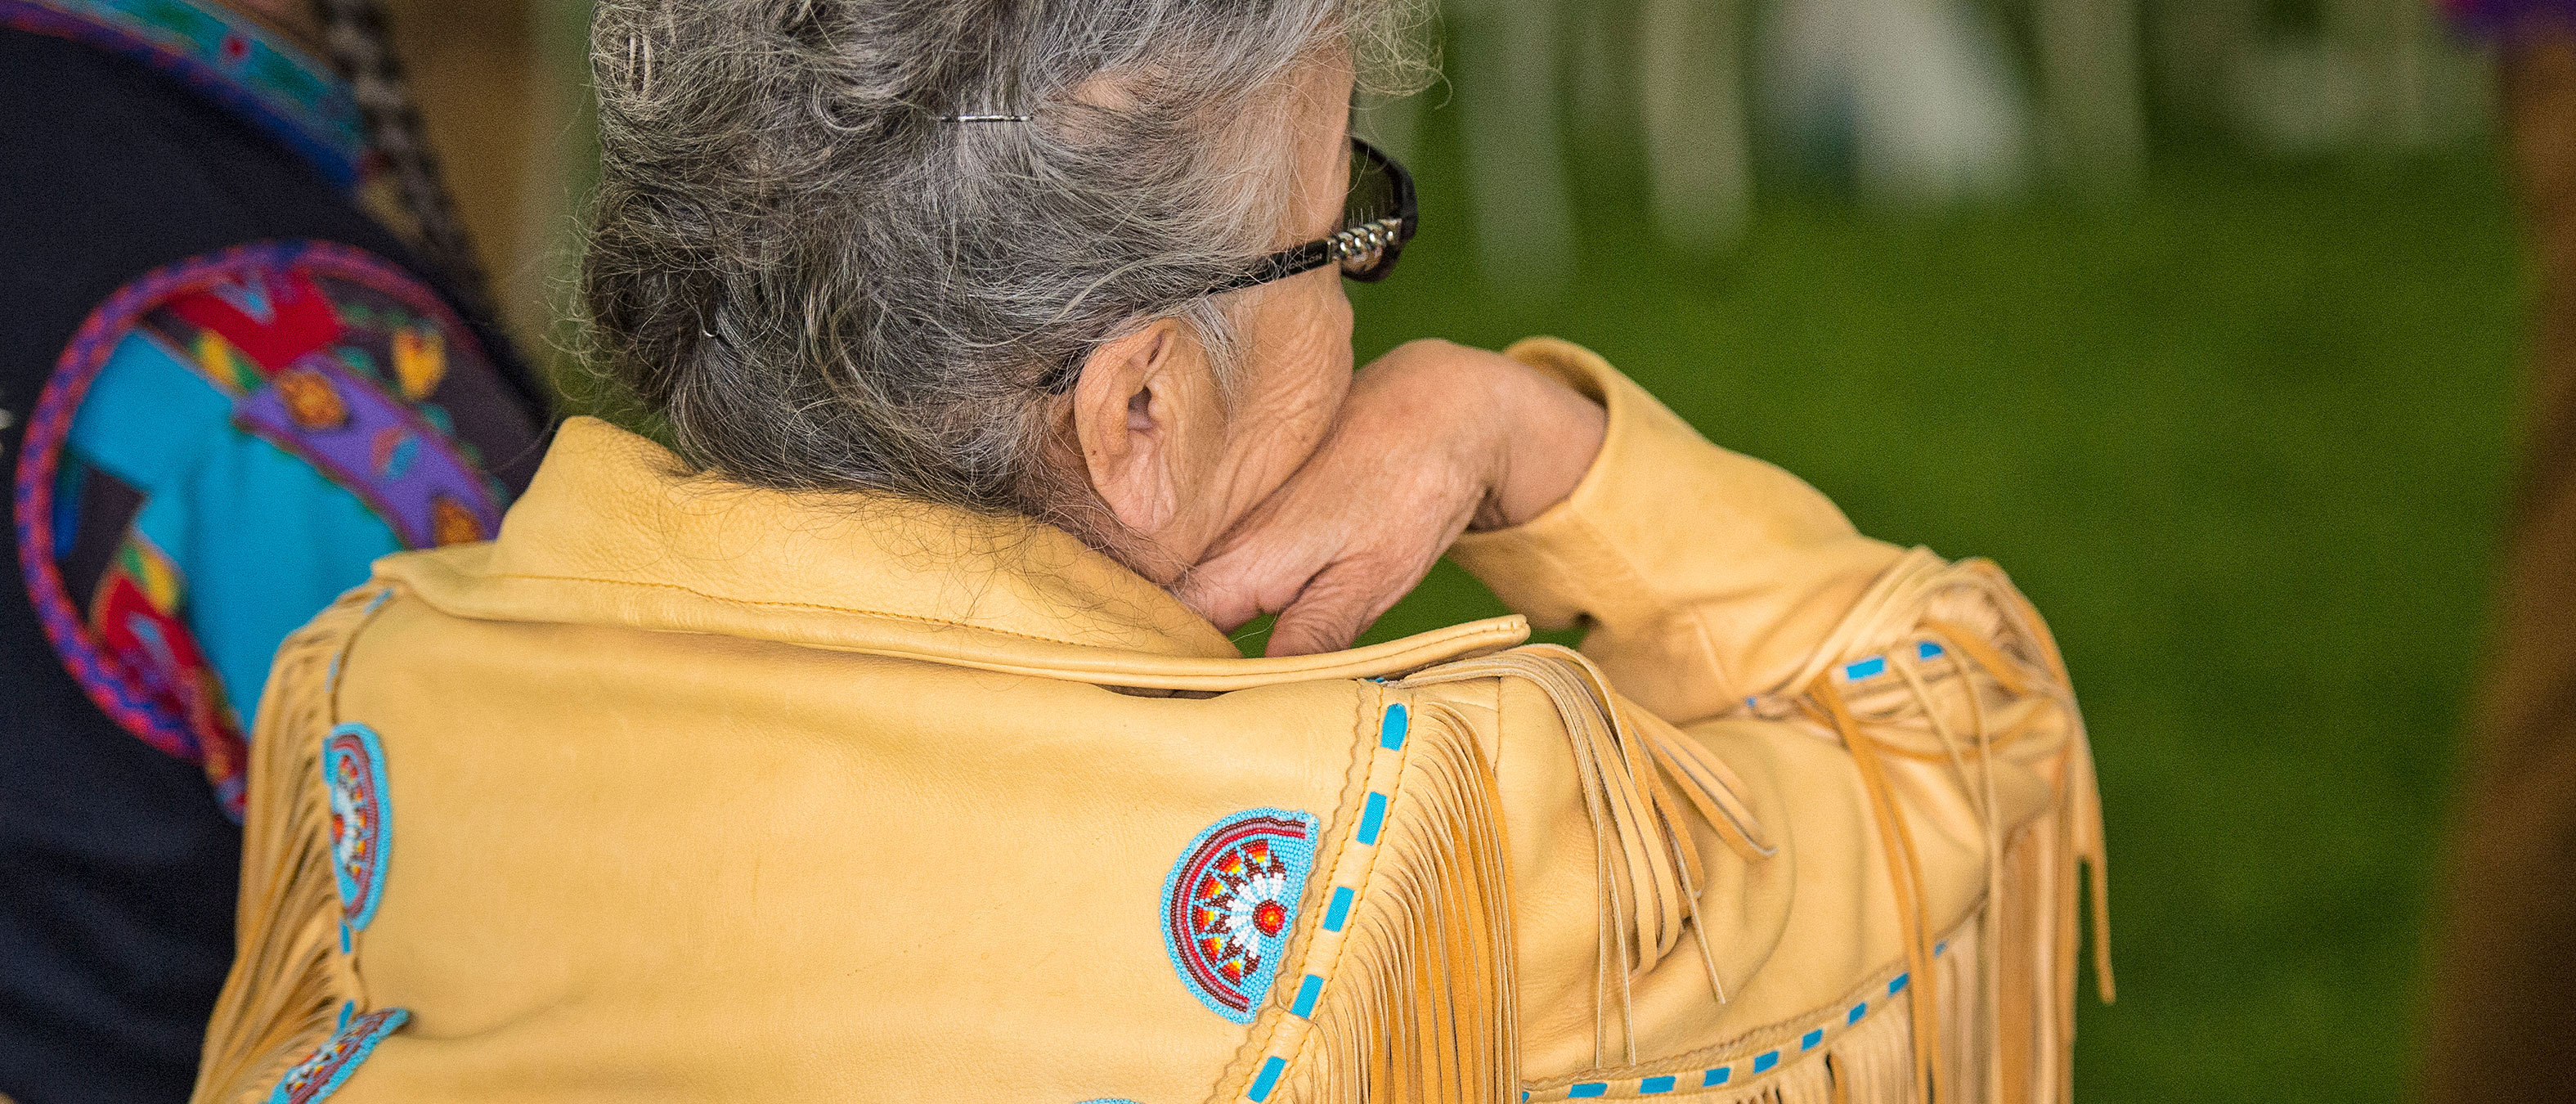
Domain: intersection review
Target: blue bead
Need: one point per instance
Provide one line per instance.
(1269, 1079)
(1372, 818)
(1307, 991)
(1340, 910)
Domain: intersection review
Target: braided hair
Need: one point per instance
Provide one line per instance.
(354, 33)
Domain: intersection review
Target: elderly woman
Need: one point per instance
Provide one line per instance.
(880, 739)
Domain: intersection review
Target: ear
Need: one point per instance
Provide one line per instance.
(1127, 413)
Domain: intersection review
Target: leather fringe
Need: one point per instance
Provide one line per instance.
(289, 979)
(1988, 1017)
(1999, 678)
(2037, 926)
(1419, 1001)
(1641, 778)
(1872, 1063)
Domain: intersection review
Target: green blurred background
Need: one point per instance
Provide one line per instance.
(2243, 441)
(2237, 420)
(2202, 318)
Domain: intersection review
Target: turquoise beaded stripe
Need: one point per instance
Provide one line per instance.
(1340, 912)
(1268, 1079)
(1372, 818)
(1393, 726)
(1307, 991)
(1390, 735)
(1714, 1076)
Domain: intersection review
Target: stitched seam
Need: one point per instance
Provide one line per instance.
(338, 679)
(1341, 847)
(780, 604)
(1777, 1035)
(1367, 874)
(340, 657)
(824, 608)
(1364, 733)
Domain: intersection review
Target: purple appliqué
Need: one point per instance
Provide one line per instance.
(374, 445)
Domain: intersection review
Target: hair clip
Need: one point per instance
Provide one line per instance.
(983, 118)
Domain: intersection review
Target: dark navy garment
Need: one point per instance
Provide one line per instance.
(225, 388)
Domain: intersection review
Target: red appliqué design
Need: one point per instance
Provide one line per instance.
(1230, 902)
(135, 616)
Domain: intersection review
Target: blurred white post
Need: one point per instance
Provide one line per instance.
(1922, 90)
(2091, 102)
(2388, 40)
(1691, 88)
(1504, 69)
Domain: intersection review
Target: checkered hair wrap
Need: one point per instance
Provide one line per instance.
(354, 31)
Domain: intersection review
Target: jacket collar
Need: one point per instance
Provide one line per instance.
(286, 93)
(611, 532)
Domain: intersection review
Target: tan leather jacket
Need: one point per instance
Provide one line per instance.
(684, 791)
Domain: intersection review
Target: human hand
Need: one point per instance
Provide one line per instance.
(1433, 439)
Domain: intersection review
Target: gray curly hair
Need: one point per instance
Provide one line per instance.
(818, 279)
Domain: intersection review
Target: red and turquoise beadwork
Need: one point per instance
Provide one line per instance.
(1230, 905)
(321, 1073)
(353, 767)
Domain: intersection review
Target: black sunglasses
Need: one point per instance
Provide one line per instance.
(1378, 217)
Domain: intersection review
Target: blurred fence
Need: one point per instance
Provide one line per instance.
(1913, 103)
(1899, 104)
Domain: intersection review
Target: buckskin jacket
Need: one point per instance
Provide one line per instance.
(680, 790)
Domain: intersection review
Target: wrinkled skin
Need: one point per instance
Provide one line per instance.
(1316, 495)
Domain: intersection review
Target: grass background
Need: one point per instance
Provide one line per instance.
(2244, 438)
